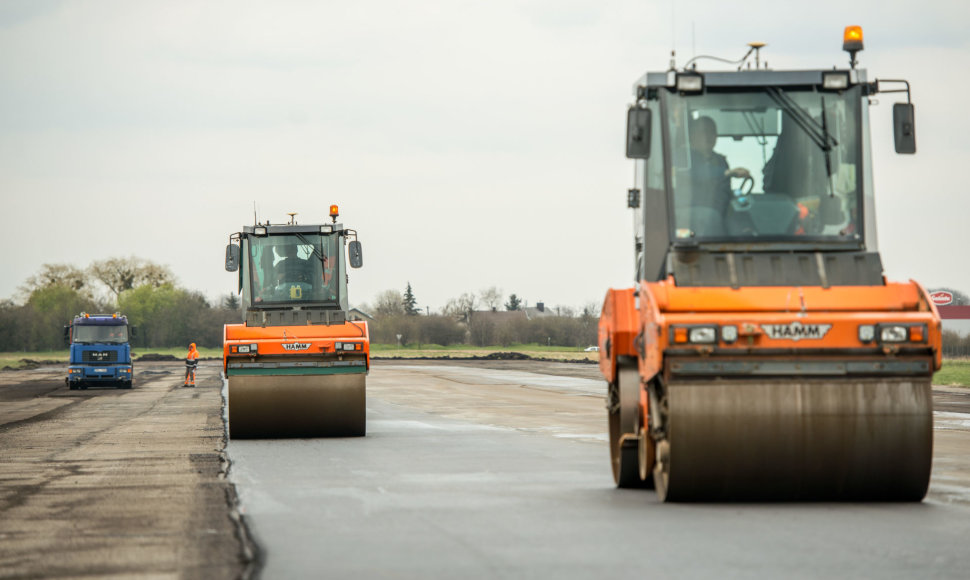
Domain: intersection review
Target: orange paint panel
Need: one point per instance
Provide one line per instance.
(617, 329)
(839, 329)
(892, 297)
(319, 338)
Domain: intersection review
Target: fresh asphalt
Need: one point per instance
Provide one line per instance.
(489, 473)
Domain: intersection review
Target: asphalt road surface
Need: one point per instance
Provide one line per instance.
(503, 472)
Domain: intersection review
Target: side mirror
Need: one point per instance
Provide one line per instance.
(232, 258)
(356, 257)
(638, 133)
(904, 128)
(67, 335)
(133, 331)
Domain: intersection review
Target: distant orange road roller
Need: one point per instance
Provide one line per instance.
(762, 354)
(296, 365)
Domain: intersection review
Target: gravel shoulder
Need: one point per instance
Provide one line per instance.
(116, 483)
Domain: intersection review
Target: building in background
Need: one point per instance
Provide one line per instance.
(955, 314)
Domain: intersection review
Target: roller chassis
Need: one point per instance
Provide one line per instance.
(771, 361)
(296, 366)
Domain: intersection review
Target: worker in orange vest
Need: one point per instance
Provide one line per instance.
(191, 361)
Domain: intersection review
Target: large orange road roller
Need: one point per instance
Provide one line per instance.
(296, 365)
(762, 354)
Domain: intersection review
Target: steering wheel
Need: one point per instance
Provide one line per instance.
(747, 185)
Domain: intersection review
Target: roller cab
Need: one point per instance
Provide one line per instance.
(762, 354)
(296, 365)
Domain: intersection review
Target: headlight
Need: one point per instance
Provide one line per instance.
(243, 348)
(835, 81)
(867, 332)
(702, 335)
(690, 82)
(893, 333)
(729, 333)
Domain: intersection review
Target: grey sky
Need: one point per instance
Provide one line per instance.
(471, 144)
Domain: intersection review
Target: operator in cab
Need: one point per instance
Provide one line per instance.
(710, 171)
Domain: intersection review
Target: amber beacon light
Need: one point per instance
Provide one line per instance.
(334, 212)
(852, 42)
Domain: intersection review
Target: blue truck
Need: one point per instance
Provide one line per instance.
(100, 353)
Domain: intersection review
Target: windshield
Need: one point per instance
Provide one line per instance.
(769, 163)
(293, 268)
(104, 334)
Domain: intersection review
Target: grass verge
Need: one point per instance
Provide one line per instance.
(955, 373)
(20, 360)
(465, 351)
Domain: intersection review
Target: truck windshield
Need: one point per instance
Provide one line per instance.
(293, 268)
(769, 163)
(100, 334)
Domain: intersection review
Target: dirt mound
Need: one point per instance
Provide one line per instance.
(154, 357)
(27, 364)
(505, 356)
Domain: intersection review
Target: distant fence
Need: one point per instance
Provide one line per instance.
(956, 351)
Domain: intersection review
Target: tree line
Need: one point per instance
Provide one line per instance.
(163, 313)
(166, 314)
(476, 319)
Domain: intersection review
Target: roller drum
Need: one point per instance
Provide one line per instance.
(860, 440)
(278, 406)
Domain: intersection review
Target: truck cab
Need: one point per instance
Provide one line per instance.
(100, 354)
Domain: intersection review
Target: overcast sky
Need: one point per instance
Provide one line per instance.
(470, 143)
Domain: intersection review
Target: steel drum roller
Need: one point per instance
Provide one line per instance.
(276, 406)
(799, 440)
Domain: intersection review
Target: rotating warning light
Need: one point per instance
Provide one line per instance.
(852, 39)
(852, 42)
(334, 212)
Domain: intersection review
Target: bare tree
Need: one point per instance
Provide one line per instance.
(565, 311)
(389, 303)
(591, 310)
(491, 297)
(120, 274)
(461, 307)
(56, 274)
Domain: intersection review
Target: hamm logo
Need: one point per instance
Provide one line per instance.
(296, 346)
(795, 331)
